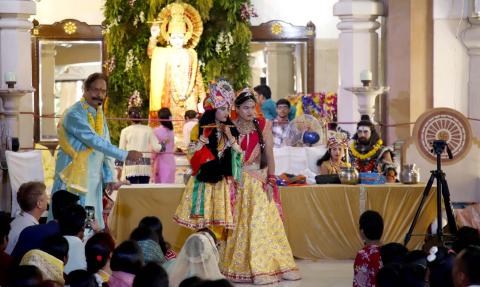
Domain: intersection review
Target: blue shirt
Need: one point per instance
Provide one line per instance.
(32, 237)
(269, 109)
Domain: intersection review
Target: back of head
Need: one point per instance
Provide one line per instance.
(468, 263)
(50, 283)
(81, 278)
(143, 233)
(215, 283)
(127, 257)
(4, 228)
(440, 264)
(98, 250)
(165, 115)
(135, 114)
(62, 199)
(26, 276)
(465, 236)
(29, 193)
(191, 281)
(155, 225)
(190, 114)
(57, 246)
(414, 268)
(72, 220)
(393, 253)
(389, 276)
(371, 223)
(151, 275)
(263, 90)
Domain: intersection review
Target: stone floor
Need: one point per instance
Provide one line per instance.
(331, 273)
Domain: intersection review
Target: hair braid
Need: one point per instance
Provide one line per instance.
(263, 158)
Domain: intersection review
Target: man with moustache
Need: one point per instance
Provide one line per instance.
(367, 150)
(85, 160)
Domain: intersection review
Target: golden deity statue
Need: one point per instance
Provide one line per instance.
(175, 78)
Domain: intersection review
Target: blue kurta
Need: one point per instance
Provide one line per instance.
(100, 167)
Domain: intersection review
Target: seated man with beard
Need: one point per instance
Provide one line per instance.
(367, 150)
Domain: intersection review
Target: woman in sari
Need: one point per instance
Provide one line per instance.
(214, 157)
(257, 250)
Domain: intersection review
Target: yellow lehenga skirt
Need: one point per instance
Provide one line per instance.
(210, 207)
(257, 249)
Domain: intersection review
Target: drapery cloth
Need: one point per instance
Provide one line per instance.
(321, 221)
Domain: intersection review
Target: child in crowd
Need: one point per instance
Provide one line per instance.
(126, 262)
(440, 264)
(164, 162)
(151, 275)
(137, 137)
(98, 251)
(148, 242)
(368, 260)
(155, 225)
(5, 259)
(72, 228)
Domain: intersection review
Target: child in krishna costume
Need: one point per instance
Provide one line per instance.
(215, 159)
(176, 81)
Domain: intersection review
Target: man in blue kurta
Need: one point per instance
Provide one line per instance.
(85, 160)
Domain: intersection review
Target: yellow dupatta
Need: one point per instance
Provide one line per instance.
(50, 266)
(75, 175)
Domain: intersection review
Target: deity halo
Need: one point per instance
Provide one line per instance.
(181, 18)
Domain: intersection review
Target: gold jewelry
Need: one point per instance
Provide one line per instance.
(369, 154)
(245, 127)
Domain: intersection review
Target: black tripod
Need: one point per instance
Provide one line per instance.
(442, 190)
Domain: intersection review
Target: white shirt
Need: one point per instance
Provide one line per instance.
(21, 221)
(76, 255)
(140, 138)
(187, 130)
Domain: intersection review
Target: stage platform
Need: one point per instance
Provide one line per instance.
(321, 221)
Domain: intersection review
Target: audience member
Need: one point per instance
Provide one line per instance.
(414, 269)
(389, 276)
(440, 264)
(50, 283)
(465, 236)
(267, 105)
(155, 225)
(368, 260)
(33, 201)
(191, 120)
(26, 276)
(279, 127)
(198, 257)
(126, 262)
(57, 246)
(466, 270)
(98, 251)
(5, 259)
(81, 278)
(164, 162)
(137, 137)
(72, 227)
(151, 275)
(148, 241)
(50, 265)
(32, 237)
(393, 253)
(191, 281)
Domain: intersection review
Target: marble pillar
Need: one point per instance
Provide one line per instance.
(358, 51)
(280, 71)
(47, 93)
(471, 39)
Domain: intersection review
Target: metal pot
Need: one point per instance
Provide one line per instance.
(410, 174)
(348, 175)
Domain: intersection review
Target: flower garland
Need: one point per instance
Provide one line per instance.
(369, 154)
(98, 124)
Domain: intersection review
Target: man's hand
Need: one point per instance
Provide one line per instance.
(111, 186)
(134, 155)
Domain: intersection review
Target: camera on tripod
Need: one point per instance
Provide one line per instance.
(439, 146)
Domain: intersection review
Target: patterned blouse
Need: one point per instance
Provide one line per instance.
(367, 264)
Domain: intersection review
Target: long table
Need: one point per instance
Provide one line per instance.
(321, 221)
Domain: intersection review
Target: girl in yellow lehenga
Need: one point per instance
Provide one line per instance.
(257, 249)
(216, 163)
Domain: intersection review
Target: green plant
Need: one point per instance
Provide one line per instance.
(128, 66)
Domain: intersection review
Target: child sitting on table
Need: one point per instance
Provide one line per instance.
(334, 159)
(368, 260)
